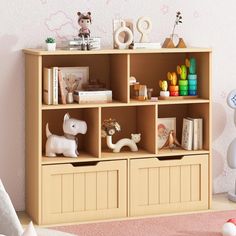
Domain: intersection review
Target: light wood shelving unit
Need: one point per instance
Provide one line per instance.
(100, 184)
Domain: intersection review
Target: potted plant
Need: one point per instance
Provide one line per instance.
(51, 44)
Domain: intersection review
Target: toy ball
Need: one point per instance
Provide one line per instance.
(228, 229)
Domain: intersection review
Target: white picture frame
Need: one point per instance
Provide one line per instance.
(79, 74)
(164, 126)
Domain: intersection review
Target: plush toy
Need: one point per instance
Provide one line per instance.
(84, 22)
(67, 144)
(229, 228)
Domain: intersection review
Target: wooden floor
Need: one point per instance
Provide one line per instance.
(219, 203)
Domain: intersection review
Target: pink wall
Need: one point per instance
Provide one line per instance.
(26, 23)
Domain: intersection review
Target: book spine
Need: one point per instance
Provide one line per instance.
(55, 85)
(187, 134)
(61, 89)
(200, 133)
(47, 86)
(95, 93)
(195, 134)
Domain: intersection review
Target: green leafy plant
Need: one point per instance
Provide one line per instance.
(50, 40)
(178, 21)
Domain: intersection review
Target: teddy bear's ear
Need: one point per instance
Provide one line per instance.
(89, 13)
(79, 13)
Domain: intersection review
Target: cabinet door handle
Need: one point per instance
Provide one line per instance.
(87, 163)
(170, 158)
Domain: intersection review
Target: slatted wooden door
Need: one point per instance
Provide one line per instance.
(84, 192)
(168, 185)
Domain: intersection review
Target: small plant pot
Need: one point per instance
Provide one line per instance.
(51, 46)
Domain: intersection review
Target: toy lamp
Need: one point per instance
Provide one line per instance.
(231, 153)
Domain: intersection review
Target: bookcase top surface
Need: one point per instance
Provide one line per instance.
(42, 52)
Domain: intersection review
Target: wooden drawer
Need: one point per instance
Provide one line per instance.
(165, 186)
(83, 193)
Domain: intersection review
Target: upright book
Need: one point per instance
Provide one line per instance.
(187, 134)
(47, 86)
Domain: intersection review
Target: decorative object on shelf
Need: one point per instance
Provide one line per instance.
(229, 228)
(183, 82)
(122, 33)
(133, 80)
(149, 93)
(144, 26)
(174, 88)
(51, 44)
(84, 22)
(67, 144)
(72, 78)
(231, 152)
(140, 92)
(164, 127)
(164, 88)
(174, 41)
(171, 141)
(192, 76)
(109, 128)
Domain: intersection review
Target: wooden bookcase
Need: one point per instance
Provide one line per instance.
(104, 185)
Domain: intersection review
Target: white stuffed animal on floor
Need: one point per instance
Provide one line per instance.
(67, 144)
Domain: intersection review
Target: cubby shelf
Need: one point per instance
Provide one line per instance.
(100, 184)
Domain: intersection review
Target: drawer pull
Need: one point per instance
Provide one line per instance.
(170, 158)
(87, 163)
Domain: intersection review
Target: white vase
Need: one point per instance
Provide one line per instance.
(175, 39)
(69, 98)
(51, 46)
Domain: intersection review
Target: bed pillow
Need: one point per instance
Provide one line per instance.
(9, 222)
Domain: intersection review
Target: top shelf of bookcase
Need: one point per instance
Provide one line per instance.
(42, 52)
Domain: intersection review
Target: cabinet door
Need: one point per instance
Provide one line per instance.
(169, 185)
(83, 193)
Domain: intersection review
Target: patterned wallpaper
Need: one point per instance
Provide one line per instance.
(26, 23)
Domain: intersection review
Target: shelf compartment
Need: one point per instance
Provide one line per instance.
(132, 119)
(158, 65)
(72, 193)
(164, 186)
(180, 111)
(88, 143)
(112, 70)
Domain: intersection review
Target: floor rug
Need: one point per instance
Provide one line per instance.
(199, 224)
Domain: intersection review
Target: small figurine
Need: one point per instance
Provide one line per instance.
(229, 228)
(171, 141)
(174, 88)
(183, 82)
(84, 22)
(164, 87)
(67, 144)
(109, 128)
(192, 76)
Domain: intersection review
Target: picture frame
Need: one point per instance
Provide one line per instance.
(164, 126)
(75, 75)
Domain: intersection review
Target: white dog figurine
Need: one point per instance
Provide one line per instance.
(67, 144)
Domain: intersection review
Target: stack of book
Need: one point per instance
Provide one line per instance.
(99, 96)
(192, 133)
(75, 44)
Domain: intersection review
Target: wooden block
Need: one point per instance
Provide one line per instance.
(168, 43)
(181, 43)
